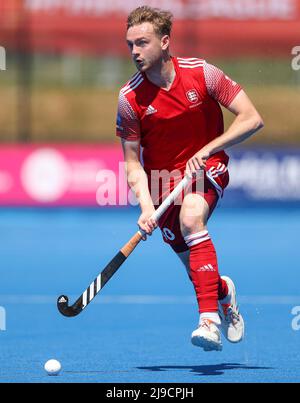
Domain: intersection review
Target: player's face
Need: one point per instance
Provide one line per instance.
(145, 46)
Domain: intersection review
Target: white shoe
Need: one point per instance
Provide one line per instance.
(207, 336)
(232, 323)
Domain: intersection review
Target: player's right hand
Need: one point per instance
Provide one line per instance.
(197, 163)
(146, 223)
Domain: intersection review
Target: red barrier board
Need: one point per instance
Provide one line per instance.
(62, 175)
(209, 27)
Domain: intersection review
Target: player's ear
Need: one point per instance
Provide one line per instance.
(165, 42)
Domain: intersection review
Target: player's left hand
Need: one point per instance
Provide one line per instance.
(197, 162)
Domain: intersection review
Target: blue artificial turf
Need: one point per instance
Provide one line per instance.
(138, 328)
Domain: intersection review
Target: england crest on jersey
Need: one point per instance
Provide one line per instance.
(192, 96)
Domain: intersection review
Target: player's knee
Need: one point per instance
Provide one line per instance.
(193, 214)
(191, 224)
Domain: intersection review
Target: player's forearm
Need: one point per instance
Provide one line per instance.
(138, 183)
(241, 129)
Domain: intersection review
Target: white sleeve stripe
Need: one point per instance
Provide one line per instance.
(190, 62)
(189, 59)
(132, 82)
(132, 88)
(190, 67)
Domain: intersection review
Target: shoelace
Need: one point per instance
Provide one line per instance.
(231, 316)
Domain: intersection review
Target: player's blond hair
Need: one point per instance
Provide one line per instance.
(161, 20)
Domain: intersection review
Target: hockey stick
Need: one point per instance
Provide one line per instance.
(89, 294)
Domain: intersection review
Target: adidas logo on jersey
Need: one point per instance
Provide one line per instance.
(150, 110)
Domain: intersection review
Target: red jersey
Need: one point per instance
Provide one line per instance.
(172, 125)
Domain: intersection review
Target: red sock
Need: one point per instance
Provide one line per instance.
(209, 286)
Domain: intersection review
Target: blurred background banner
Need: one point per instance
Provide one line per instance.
(264, 175)
(62, 175)
(93, 27)
(86, 175)
(65, 61)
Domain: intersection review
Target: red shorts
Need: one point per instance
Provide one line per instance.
(169, 224)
